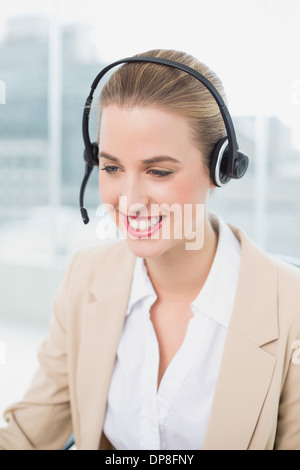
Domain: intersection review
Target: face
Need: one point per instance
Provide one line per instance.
(151, 177)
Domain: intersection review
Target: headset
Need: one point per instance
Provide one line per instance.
(226, 161)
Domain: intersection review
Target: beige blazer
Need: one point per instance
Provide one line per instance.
(257, 398)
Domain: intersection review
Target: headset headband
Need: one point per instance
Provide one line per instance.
(233, 156)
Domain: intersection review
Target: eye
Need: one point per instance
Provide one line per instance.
(160, 173)
(110, 169)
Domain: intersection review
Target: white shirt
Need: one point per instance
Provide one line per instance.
(175, 416)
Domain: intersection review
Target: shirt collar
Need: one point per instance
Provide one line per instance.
(141, 286)
(217, 295)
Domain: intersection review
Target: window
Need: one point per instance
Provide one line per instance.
(51, 51)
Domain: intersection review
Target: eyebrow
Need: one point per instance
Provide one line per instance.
(147, 161)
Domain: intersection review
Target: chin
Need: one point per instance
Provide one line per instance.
(147, 248)
(144, 248)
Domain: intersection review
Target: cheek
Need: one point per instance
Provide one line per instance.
(109, 198)
(107, 190)
(187, 190)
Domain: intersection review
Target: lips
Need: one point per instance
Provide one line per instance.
(141, 224)
(142, 227)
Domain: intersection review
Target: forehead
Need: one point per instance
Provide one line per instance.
(144, 127)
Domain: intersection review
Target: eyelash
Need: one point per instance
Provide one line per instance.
(158, 173)
(109, 169)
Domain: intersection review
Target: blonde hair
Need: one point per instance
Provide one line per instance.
(148, 84)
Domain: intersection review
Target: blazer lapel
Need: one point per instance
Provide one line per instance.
(246, 369)
(102, 325)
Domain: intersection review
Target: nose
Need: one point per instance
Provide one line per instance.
(133, 198)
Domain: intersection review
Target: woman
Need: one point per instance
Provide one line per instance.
(183, 335)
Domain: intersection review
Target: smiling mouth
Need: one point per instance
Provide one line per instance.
(142, 227)
(142, 224)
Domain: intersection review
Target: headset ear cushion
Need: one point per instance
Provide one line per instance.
(91, 154)
(218, 163)
(241, 164)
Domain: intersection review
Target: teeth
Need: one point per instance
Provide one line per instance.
(134, 224)
(144, 224)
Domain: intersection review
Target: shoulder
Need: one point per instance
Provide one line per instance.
(288, 274)
(288, 292)
(288, 278)
(102, 253)
(272, 276)
(252, 252)
(90, 262)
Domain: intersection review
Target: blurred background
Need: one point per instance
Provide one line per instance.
(50, 52)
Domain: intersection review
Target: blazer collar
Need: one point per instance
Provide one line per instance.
(255, 309)
(255, 296)
(115, 273)
(246, 369)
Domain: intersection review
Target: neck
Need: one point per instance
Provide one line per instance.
(180, 274)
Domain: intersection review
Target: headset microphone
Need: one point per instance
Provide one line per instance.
(227, 161)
